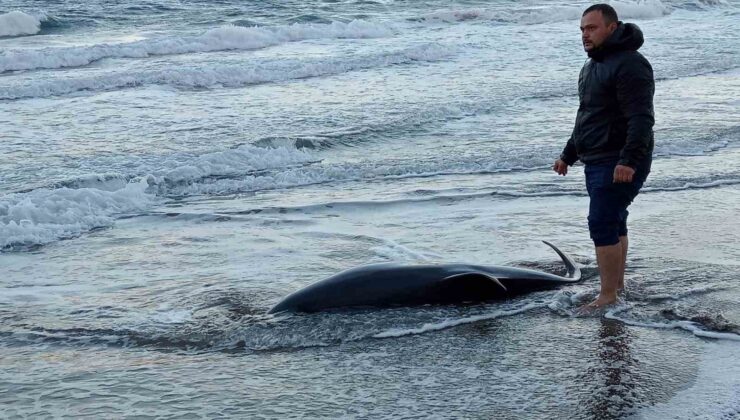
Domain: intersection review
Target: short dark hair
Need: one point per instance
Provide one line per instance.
(610, 15)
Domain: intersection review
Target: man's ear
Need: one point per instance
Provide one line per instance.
(613, 26)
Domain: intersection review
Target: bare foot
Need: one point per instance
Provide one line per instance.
(597, 304)
(602, 301)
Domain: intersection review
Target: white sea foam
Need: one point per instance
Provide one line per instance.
(298, 176)
(227, 75)
(165, 315)
(219, 39)
(76, 206)
(460, 15)
(690, 326)
(43, 216)
(244, 159)
(690, 292)
(568, 303)
(17, 23)
(344, 172)
(436, 326)
(693, 185)
(396, 252)
(646, 9)
(691, 149)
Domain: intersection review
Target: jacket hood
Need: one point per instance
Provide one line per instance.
(627, 37)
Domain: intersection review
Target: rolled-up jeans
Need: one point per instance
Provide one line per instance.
(607, 212)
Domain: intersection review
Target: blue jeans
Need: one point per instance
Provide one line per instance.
(607, 212)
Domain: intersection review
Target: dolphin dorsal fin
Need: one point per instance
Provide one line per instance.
(475, 276)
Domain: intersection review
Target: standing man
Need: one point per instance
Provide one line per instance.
(613, 136)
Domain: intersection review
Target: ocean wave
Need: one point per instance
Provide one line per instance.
(69, 208)
(227, 75)
(553, 190)
(642, 9)
(703, 4)
(309, 18)
(631, 10)
(219, 39)
(302, 176)
(44, 216)
(691, 185)
(73, 207)
(692, 147)
(413, 119)
(17, 23)
(245, 160)
(711, 142)
(242, 160)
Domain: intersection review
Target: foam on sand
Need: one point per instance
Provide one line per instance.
(690, 326)
(436, 326)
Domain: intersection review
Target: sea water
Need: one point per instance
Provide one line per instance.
(170, 170)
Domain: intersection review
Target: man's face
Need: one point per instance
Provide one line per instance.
(594, 30)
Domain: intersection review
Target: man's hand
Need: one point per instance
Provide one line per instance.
(560, 167)
(623, 173)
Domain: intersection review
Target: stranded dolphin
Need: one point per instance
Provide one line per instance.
(391, 284)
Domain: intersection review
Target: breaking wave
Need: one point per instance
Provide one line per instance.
(43, 216)
(17, 23)
(219, 39)
(227, 75)
(70, 208)
(631, 10)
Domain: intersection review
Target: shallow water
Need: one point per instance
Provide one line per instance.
(168, 179)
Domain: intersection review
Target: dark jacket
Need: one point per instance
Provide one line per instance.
(615, 116)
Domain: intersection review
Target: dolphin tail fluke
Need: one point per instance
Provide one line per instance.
(574, 272)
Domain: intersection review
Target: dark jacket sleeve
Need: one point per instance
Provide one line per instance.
(569, 155)
(635, 89)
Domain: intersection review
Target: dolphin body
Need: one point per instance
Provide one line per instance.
(392, 284)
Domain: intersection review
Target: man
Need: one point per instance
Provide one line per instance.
(613, 136)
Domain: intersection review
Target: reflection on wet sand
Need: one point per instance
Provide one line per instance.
(615, 384)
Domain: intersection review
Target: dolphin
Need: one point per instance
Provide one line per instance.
(393, 284)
